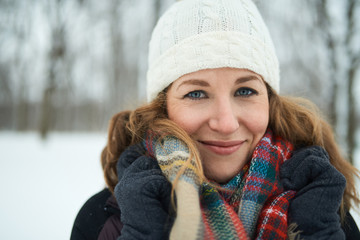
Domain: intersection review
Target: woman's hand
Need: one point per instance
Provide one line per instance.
(143, 195)
(320, 188)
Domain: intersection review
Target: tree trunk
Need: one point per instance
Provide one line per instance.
(324, 23)
(352, 70)
(352, 125)
(56, 58)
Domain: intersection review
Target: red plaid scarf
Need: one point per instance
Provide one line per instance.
(253, 205)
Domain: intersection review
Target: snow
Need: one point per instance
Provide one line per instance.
(44, 183)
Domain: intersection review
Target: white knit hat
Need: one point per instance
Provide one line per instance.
(200, 34)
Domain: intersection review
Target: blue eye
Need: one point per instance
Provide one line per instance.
(195, 95)
(245, 92)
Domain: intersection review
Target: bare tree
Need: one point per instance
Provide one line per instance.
(6, 96)
(21, 24)
(157, 8)
(122, 77)
(322, 48)
(6, 93)
(343, 61)
(352, 70)
(55, 60)
(325, 26)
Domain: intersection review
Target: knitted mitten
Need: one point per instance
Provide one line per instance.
(143, 195)
(319, 188)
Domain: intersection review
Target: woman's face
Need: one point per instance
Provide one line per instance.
(226, 112)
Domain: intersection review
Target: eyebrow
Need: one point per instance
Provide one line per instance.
(246, 79)
(197, 82)
(203, 83)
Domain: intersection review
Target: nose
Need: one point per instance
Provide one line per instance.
(224, 117)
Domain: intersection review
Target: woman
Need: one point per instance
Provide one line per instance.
(217, 153)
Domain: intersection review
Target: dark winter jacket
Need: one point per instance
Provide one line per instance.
(99, 218)
(93, 216)
(314, 209)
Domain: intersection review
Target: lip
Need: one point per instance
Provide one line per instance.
(222, 147)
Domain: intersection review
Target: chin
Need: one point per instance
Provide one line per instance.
(222, 170)
(220, 177)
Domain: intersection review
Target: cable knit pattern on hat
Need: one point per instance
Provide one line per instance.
(201, 34)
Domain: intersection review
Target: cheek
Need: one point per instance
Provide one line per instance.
(187, 118)
(258, 120)
(257, 124)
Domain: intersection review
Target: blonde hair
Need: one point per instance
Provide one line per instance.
(294, 119)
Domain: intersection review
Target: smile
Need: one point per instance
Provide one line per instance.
(222, 148)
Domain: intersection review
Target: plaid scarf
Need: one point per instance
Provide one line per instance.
(253, 205)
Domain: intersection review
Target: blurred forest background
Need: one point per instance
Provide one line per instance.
(69, 65)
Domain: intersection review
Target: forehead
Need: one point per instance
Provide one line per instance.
(206, 76)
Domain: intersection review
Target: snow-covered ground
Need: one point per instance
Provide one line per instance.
(44, 184)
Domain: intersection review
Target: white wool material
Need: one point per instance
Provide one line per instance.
(193, 35)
